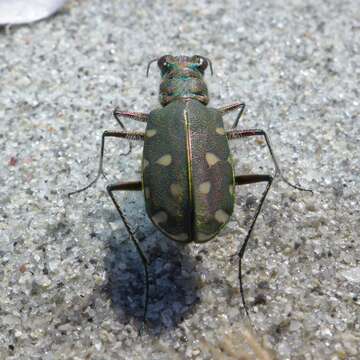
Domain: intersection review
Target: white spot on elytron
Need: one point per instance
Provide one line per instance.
(175, 190)
(220, 131)
(147, 193)
(180, 237)
(204, 188)
(211, 159)
(159, 217)
(221, 216)
(203, 236)
(164, 160)
(150, 133)
(145, 163)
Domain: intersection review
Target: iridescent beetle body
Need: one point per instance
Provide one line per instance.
(188, 179)
(187, 175)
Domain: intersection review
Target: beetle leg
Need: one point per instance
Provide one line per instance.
(236, 134)
(117, 134)
(243, 180)
(133, 115)
(232, 107)
(129, 114)
(136, 186)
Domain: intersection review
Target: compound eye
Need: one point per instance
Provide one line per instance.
(201, 63)
(164, 63)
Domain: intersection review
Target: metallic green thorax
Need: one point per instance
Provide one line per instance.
(182, 77)
(187, 173)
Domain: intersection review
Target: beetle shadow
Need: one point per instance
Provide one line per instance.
(173, 279)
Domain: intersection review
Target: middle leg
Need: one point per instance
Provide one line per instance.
(116, 134)
(237, 134)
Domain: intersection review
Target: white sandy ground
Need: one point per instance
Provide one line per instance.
(71, 281)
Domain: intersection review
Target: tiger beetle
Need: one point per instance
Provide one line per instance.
(188, 178)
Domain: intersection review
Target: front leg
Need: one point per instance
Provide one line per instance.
(132, 115)
(232, 107)
(116, 134)
(142, 117)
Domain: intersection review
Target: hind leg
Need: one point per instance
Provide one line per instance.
(244, 180)
(132, 186)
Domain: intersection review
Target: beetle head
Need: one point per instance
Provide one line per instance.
(168, 64)
(182, 77)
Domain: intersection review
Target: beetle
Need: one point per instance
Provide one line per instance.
(188, 178)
